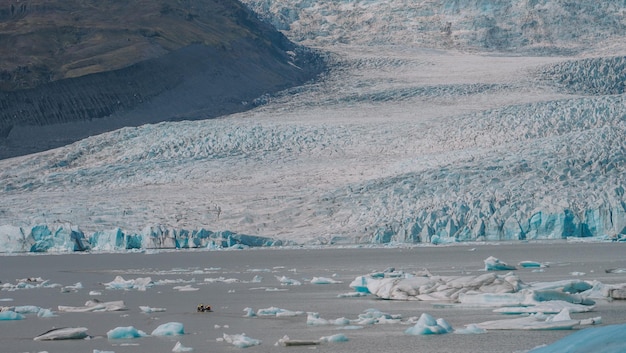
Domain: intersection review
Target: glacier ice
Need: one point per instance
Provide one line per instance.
(409, 138)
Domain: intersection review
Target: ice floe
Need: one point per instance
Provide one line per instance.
(140, 284)
(241, 340)
(95, 305)
(65, 333)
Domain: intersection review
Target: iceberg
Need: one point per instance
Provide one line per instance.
(494, 264)
(169, 329)
(560, 321)
(10, 315)
(124, 332)
(427, 325)
(606, 339)
(66, 333)
(94, 306)
(241, 340)
(178, 347)
(340, 337)
(141, 283)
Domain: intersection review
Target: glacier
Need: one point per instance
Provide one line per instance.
(438, 122)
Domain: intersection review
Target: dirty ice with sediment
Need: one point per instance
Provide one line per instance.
(437, 121)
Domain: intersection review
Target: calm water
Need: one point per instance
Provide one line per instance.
(230, 299)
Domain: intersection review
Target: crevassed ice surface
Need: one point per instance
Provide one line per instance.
(438, 121)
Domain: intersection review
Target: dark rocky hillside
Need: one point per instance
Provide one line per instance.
(74, 68)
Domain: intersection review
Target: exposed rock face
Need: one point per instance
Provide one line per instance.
(70, 69)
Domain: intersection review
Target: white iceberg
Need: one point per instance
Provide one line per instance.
(140, 284)
(323, 280)
(65, 333)
(94, 305)
(494, 264)
(149, 310)
(241, 340)
(286, 281)
(178, 347)
(561, 321)
(340, 337)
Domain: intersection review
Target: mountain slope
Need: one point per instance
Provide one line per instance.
(65, 63)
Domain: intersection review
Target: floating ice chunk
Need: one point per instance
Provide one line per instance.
(73, 288)
(99, 351)
(46, 313)
(257, 279)
(169, 329)
(241, 340)
(95, 293)
(577, 273)
(494, 264)
(548, 307)
(10, 315)
(532, 264)
(427, 325)
(222, 280)
(65, 333)
(186, 288)
(470, 329)
(94, 305)
(272, 311)
(26, 309)
(125, 332)
(324, 280)
(148, 310)
(352, 295)
(606, 339)
(340, 337)
(286, 281)
(286, 341)
(561, 321)
(178, 347)
(249, 312)
(140, 284)
(313, 319)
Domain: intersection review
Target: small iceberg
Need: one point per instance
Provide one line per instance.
(10, 315)
(65, 333)
(178, 347)
(169, 329)
(494, 264)
(241, 340)
(125, 332)
(427, 325)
